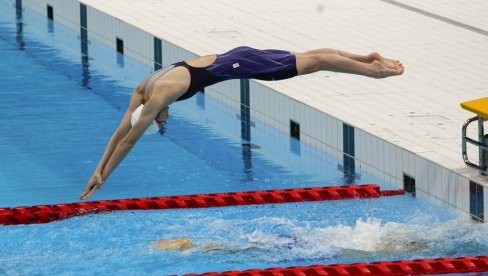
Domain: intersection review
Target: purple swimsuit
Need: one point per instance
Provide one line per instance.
(241, 63)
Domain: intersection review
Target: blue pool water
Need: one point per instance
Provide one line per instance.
(58, 108)
(245, 237)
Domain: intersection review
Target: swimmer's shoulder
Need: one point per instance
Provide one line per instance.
(139, 94)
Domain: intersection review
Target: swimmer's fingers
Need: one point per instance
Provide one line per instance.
(89, 190)
(93, 184)
(88, 193)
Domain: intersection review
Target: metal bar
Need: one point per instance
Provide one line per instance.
(485, 155)
(464, 130)
(482, 144)
(466, 139)
(476, 143)
(481, 138)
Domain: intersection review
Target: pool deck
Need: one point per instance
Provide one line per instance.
(442, 45)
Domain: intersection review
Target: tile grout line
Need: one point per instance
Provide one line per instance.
(437, 17)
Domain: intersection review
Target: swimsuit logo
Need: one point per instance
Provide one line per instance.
(235, 65)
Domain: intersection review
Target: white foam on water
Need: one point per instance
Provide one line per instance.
(280, 239)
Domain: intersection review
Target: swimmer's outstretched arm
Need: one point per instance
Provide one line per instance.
(107, 165)
(96, 180)
(164, 94)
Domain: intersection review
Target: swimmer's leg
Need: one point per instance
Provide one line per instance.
(365, 59)
(312, 62)
(394, 64)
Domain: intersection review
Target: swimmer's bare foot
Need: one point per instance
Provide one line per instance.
(380, 70)
(390, 63)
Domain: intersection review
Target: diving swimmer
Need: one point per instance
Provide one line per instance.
(148, 107)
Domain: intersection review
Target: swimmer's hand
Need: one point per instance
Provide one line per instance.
(95, 182)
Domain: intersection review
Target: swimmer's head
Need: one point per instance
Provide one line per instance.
(156, 125)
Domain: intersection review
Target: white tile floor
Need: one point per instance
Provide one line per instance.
(419, 111)
(472, 12)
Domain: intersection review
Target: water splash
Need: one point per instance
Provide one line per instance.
(278, 239)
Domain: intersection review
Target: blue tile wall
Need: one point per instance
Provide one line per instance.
(50, 19)
(295, 137)
(120, 45)
(476, 202)
(18, 8)
(409, 184)
(348, 149)
(158, 54)
(20, 25)
(245, 111)
(294, 129)
(120, 52)
(85, 60)
(50, 12)
(83, 20)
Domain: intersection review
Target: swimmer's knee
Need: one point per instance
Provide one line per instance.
(320, 61)
(309, 63)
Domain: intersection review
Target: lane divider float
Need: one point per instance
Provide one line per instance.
(402, 267)
(49, 213)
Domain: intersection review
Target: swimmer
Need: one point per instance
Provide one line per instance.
(182, 244)
(148, 108)
(383, 248)
(173, 244)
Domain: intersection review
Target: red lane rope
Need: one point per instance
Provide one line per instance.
(402, 267)
(48, 213)
(392, 192)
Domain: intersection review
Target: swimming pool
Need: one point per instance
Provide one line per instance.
(59, 108)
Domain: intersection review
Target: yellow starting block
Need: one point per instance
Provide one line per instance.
(480, 108)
